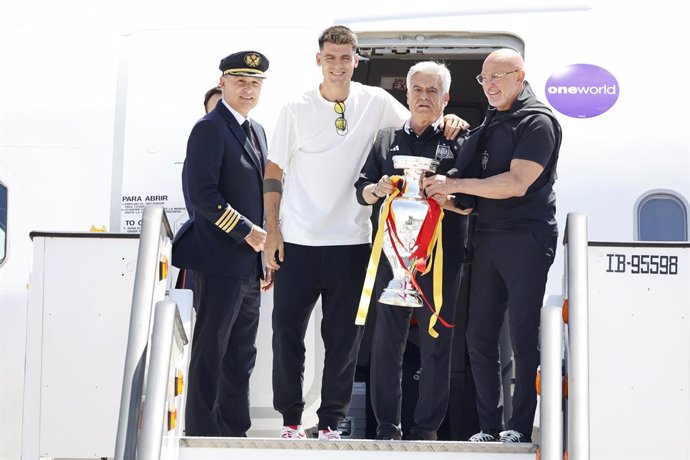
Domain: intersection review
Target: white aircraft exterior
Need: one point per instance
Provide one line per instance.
(97, 100)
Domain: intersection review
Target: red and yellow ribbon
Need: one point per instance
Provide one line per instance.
(429, 246)
(377, 246)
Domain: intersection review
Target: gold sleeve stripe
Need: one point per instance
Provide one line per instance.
(232, 223)
(221, 218)
(224, 226)
(225, 221)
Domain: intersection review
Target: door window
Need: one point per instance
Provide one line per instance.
(661, 216)
(3, 222)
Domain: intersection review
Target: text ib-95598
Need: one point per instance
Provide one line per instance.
(642, 264)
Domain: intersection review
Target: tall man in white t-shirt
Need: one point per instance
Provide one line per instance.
(318, 235)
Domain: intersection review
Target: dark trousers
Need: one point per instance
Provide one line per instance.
(184, 280)
(388, 346)
(509, 271)
(223, 355)
(336, 273)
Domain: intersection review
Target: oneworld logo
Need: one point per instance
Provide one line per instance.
(582, 90)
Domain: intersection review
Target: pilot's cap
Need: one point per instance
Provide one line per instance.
(245, 63)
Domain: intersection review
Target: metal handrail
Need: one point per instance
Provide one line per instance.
(154, 228)
(578, 337)
(551, 377)
(167, 326)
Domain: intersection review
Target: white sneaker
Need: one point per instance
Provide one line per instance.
(292, 432)
(513, 436)
(329, 435)
(483, 437)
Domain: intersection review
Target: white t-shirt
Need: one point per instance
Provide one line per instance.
(318, 206)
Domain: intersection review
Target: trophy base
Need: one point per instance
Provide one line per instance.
(401, 298)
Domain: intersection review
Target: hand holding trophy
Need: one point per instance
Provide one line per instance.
(409, 227)
(402, 244)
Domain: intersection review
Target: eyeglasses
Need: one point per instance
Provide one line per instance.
(340, 122)
(493, 78)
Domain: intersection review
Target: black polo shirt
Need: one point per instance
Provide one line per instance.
(527, 131)
(430, 144)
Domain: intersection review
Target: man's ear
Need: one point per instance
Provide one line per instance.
(521, 75)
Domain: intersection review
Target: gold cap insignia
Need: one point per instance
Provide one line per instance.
(252, 59)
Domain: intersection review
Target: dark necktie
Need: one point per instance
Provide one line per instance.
(254, 147)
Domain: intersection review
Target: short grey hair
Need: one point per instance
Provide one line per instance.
(431, 68)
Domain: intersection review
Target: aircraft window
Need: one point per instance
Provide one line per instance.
(3, 222)
(662, 216)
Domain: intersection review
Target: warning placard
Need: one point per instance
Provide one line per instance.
(132, 209)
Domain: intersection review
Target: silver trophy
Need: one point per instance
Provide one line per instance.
(409, 210)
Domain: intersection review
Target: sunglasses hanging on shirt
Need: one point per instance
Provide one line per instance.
(340, 122)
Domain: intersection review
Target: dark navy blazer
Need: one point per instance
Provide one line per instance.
(222, 182)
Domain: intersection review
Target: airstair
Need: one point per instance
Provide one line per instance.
(148, 432)
(151, 403)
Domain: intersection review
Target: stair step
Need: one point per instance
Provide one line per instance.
(284, 449)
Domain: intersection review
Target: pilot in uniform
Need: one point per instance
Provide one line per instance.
(221, 245)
